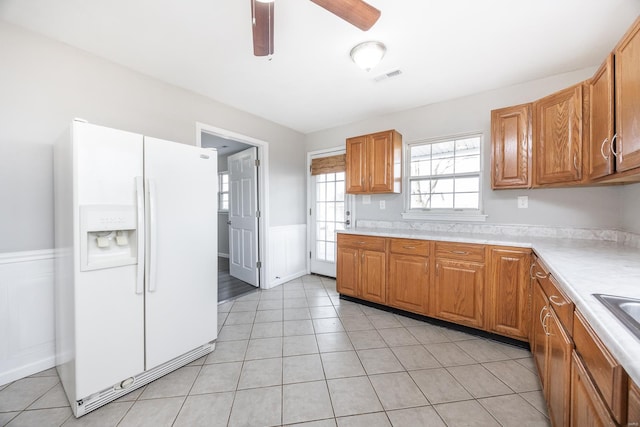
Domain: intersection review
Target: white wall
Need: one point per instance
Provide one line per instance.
(630, 207)
(45, 84)
(580, 207)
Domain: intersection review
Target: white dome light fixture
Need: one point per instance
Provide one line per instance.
(367, 55)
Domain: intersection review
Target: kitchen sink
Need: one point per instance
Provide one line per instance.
(627, 310)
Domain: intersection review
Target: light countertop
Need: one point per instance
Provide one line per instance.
(581, 267)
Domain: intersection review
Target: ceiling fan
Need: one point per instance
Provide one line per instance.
(355, 12)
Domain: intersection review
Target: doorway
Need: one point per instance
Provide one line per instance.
(329, 208)
(251, 206)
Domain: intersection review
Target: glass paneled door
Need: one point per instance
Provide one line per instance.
(329, 213)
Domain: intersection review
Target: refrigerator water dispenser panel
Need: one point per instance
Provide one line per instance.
(108, 236)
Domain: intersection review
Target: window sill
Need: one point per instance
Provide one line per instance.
(452, 216)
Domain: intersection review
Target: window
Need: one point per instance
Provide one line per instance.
(223, 191)
(444, 177)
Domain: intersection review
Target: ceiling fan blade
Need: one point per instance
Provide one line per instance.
(355, 12)
(262, 24)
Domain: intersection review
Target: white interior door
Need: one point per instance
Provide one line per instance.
(243, 216)
(329, 213)
(181, 296)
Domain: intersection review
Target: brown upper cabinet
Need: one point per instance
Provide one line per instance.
(600, 141)
(511, 147)
(585, 134)
(627, 71)
(558, 137)
(374, 163)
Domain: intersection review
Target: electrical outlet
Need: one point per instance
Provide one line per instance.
(366, 200)
(523, 202)
(383, 204)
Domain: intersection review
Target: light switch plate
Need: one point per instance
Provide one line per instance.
(383, 204)
(523, 202)
(366, 199)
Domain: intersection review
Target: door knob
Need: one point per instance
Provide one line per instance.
(228, 222)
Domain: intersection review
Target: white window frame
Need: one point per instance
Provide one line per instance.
(220, 192)
(443, 214)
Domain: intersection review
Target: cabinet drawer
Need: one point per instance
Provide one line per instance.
(608, 375)
(409, 247)
(361, 242)
(462, 251)
(560, 303)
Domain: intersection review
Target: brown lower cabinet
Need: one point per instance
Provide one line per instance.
(633, 406)
(362, 267)
(587, 408)
(582, 383)
(409, 273)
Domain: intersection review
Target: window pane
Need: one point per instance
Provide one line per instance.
(469, 146)
(443, 185)
(442, 149)
(339, 226)
(442, 201)
(321, 178)
(442, 166)
(331, 191)
(468, 164)
(331, 232)
(331, 211)
(321, 250)
(331, 252)
(420, 201)
(467, 184)
(422, 186)
(467, 201)
(321, 192)
(321, 211)
(339, 191)
(339, 176)
(321, 231)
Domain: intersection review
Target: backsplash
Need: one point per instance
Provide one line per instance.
(622, 237)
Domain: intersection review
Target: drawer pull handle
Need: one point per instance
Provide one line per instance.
(541, 275)
(544, 324)
(460, 252)
(362, 243)
(618, 146)
(531, 271)
(555, 300)
(604, 156)
(408, 247)
(541, 313)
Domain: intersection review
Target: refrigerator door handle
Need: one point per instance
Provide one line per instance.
(151, 264)
(141, 232)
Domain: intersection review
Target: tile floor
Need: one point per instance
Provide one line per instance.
(298, 355)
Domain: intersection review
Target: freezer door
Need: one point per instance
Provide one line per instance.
(108, 328)
(182, 250)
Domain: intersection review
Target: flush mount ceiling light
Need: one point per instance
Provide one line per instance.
(367, 55)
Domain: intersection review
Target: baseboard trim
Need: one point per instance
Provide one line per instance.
(280, 280)
(26, 370)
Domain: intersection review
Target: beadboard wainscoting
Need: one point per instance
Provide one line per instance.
(27, 334)
(286, 257)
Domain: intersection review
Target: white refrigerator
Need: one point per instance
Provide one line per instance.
(136, 260)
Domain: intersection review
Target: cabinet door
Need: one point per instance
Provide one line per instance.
(587, 409)
(356, 166)
(627, 144)
(559, 367)
(347, 271)
(508, 294)
(409, 282)
(458, 292)
(601, 121)
(373, 273)
(511, 147)
(633, 415)
(380, 166)
(558, 137)
(539, 318)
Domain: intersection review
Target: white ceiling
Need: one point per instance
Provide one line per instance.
(445, 49)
